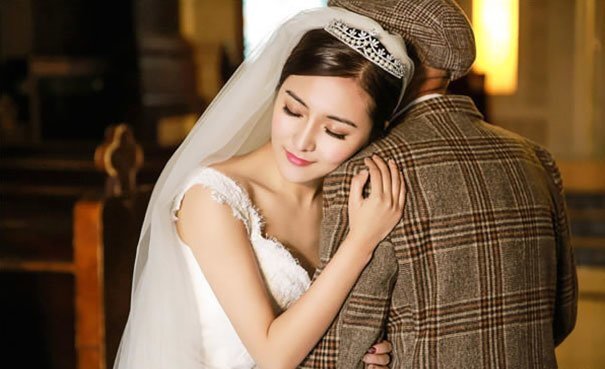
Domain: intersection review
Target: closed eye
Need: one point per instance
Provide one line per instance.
(290, 112)
(335, 135)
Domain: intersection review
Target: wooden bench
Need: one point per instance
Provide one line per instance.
(75, 235)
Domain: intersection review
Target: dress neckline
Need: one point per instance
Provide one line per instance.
(259, 225)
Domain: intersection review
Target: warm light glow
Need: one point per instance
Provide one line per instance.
(261, 17)
(496, 25)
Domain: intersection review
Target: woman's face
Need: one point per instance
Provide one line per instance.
(318, 123)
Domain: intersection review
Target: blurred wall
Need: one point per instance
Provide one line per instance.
(214, 21)
(559, 102)
(560, 99)
(214, 29)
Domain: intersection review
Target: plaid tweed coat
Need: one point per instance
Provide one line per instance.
(479, 273)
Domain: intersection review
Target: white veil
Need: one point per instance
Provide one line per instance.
(163, 330)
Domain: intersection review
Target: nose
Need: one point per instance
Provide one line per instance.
(304, 140)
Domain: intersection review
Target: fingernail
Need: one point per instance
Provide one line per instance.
(372, 350)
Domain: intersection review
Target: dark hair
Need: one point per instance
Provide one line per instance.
(320, 54)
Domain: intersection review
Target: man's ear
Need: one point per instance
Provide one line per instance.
(387, 123)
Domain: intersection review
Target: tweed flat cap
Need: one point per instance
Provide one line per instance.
(438, 29)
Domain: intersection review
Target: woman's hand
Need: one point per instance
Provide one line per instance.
(372, 218)
(205, 223)
(378, 356)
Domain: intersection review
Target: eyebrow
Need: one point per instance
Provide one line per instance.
(293, 95)
(333, 117)
(342, 120)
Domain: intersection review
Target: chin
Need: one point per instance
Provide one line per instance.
(296, 174)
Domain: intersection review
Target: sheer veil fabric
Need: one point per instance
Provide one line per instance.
(163, 330)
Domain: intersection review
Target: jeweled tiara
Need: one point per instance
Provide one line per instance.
(366, 43)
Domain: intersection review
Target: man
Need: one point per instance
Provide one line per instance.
(479, 273)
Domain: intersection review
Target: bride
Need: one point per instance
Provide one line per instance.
(231, 234)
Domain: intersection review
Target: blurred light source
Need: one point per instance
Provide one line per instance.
(261, 17)
(496, 25)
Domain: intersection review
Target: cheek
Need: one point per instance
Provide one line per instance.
(336, 152)
(280, 127)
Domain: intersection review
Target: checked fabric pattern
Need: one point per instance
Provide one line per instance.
(438, 29)
(479, 273)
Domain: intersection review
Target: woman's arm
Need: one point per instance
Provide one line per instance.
(221, 246)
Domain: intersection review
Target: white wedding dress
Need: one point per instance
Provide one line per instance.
(285, 278)
(175, 320)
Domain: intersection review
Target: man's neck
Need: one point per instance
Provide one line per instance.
(420, 99)
(426, 81)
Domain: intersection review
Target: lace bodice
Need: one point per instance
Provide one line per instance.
(286, 279)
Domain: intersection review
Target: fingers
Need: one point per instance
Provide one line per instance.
(402, 191)
(378, 355)
(383, 347)
(385, 173)
(375, 177)
(395, 180)
(387, 177)
(386, 180)
(376, 359)
(357, 183)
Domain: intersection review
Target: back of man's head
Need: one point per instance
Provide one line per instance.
(436, 31)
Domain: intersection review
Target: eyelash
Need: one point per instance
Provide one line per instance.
(292, 114)
(335, 135)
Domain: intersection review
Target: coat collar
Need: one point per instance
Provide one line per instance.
(443, 104)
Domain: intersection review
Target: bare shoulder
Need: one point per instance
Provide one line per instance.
(201, 217)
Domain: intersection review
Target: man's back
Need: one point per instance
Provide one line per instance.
(482, 274)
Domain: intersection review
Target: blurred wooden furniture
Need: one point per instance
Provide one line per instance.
(68, 234)
(584, 346)
(38, 189)
(106, 230)
(586, 176)
(63, 90)
(78, 66)
(585, 191)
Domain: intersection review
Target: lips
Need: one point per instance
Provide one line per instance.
(296, 160)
